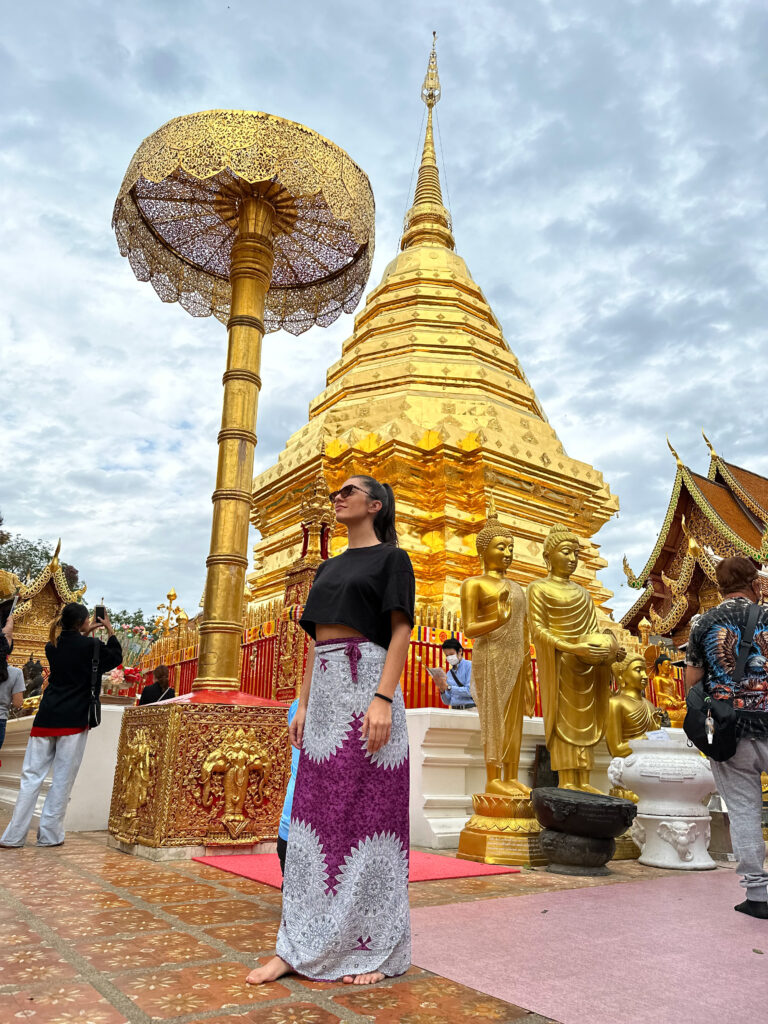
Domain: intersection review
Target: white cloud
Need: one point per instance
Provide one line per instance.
(605, 168)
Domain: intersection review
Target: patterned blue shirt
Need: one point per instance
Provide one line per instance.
(458, 693)
(713, 645)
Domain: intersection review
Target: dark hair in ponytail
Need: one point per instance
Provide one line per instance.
(71, 616)
(384, 523)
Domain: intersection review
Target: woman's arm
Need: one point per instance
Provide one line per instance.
(296, 728)
(377, 724)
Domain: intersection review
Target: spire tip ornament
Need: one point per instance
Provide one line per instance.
(430, 90)
(428, 221)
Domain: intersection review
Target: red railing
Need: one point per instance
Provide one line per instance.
(419, 691)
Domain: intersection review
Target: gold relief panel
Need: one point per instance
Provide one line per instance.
(200, 774)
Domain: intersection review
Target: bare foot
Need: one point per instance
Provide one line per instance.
(271, 971)
(363, 979)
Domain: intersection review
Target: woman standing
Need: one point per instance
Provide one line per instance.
(345, 892)
(60, 728)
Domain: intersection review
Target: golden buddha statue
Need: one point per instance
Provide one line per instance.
(573, 659)
(493, 614)
(667, 694)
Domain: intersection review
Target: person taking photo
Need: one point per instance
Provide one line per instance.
(60, 727)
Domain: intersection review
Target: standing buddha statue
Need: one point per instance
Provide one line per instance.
(573, 659)
(493, 614)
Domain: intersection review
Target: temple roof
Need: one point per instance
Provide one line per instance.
(722, 512)
(53, 573)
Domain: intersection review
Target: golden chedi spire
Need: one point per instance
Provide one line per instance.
(428, 396)
(428, 221)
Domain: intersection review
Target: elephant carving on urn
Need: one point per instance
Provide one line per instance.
(680, 835)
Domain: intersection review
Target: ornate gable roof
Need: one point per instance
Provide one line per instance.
(720, 510)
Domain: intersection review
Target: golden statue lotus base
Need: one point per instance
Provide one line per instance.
(204, 772)
(626, 847)
(503, 830)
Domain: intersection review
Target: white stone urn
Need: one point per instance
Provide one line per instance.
(673, 783)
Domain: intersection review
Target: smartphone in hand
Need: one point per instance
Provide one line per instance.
(99, 612)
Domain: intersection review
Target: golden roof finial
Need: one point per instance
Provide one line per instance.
(428, 221)
(677, 457)
(712, 451)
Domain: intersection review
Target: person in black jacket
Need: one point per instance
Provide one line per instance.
(60, 727)
(160, 689)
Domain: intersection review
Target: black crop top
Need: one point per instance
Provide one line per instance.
(359, 588)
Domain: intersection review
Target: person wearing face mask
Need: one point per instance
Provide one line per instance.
(455, 690)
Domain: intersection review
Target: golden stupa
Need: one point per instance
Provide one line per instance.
(428, 397)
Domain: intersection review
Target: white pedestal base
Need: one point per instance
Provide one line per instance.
(447, 767)
(673, 842)
(88, 809)
(673, 783)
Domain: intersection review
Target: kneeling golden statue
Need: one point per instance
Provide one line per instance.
(630, 716)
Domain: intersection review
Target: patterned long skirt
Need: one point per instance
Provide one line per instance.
(345, 891)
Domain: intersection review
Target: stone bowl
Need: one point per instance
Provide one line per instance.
(582, 814)
(576, 855)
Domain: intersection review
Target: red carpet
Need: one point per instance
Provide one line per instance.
(425, 867)
(654, 952)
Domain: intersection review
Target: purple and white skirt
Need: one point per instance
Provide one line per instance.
(345, 891)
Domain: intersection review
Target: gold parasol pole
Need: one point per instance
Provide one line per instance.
(250, 277)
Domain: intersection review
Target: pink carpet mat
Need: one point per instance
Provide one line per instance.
(666, 950)
(425, 867)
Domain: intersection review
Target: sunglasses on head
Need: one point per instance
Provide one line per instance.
(346, 491)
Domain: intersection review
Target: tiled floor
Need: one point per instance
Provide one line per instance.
(93, 936)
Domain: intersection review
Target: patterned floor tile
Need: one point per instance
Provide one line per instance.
(110, 922)
(257, 937)
(426, 1000)
(170, 993)
(186, 892)
(217, 912)
(245, 885)
(80, 1004)
(87, 903)
(146, 950)
(29, 965)
(17, 933)
(295, 1013)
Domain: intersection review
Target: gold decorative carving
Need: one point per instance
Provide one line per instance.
(239, 754)
(135, 774)
(218, 775)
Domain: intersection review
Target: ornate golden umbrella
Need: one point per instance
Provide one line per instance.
(267, 225)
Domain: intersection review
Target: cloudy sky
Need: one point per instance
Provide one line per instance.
(606, 166)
